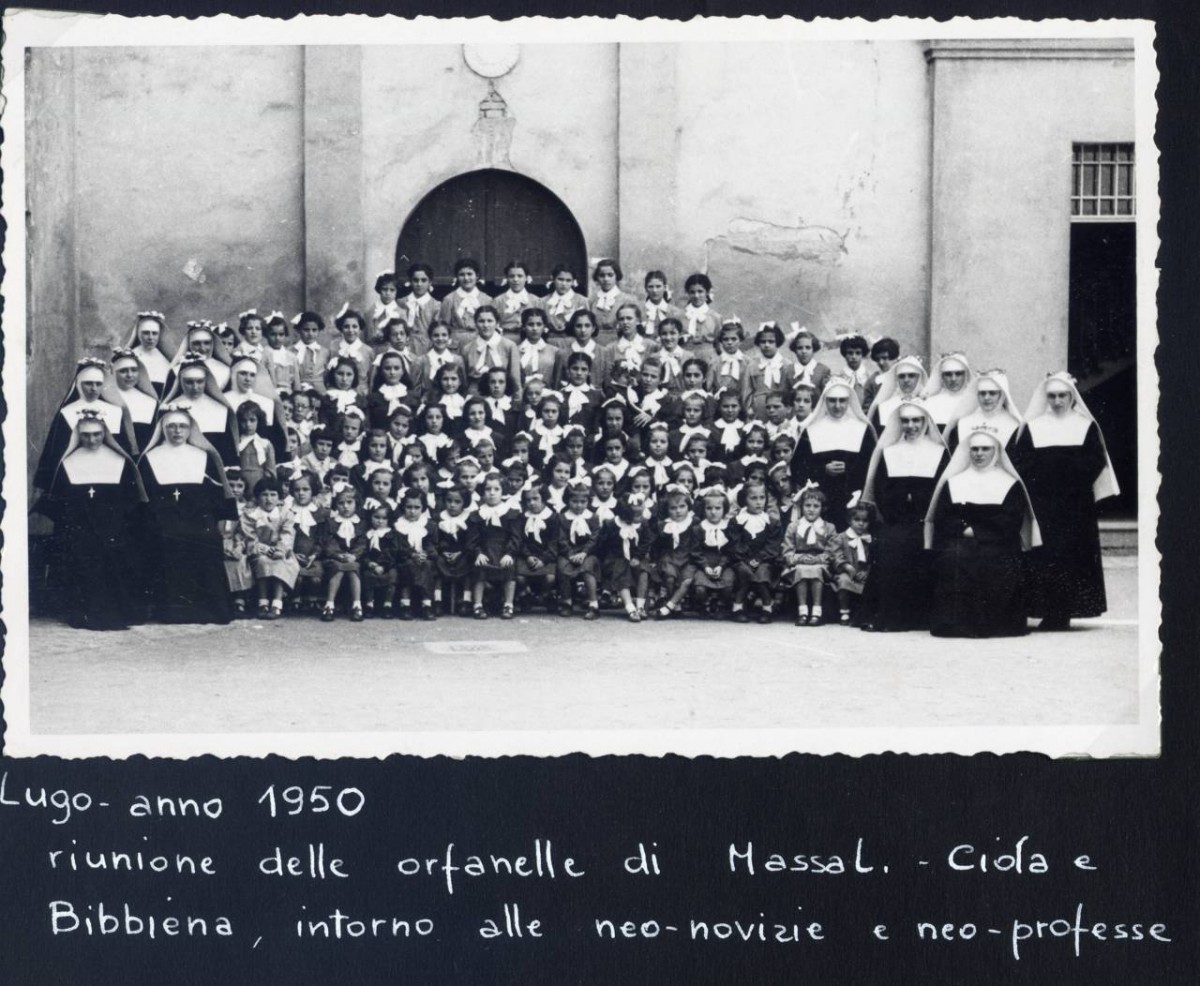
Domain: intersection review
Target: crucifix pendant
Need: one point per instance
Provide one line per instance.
(176, 495)
(91, 492)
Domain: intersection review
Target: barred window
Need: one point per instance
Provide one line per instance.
(1102, 182)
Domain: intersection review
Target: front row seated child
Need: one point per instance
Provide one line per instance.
(711, 572)
(536, 567)
(378, 562)
(625, 552)
(578, 534)
(453, 562)
(850, 563)
(754, 550)
(494, 541)
(310, 520)
(672, 551)
(268, 531)
(807, 544)
(343, 545)
(416, 553)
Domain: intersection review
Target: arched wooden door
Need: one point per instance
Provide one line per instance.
(494, 216)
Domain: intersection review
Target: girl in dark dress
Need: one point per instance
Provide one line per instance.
(188, 497)
(834, 449)
(1062, 458)
(978, 525)
(93, 497)
(904, 469)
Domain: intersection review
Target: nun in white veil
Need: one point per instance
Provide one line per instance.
(91, 389)
(834, 448)
(187, 497)
(906, 378)
(985, 402)
(948, 379)
(250, 382)
(93, 497)
(146, 341)
(1063, 460)
(195, 386)
(905, 467)
(978, 525)
(201, 340)
(136, 391)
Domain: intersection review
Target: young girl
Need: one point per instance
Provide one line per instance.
(350, 426)
(807, 545)
(672, 549)
(547, 431)
(854, 349)
(712, 572)
(420, 308)
(447, 394)
(697, 379)
(391, 388)
(624, 549)
(778, 422)
(341, 390)
(433, 437)
(536, 355)
(658, 302)
(351, 325)
(312, 358)
(557, 478)
(578, 535)
(616, 421)
(702, 323)
(378, 560)
(768, 371)
(255, 454)
(233, 545)
(582, 328)
(320, 459)
(343, 544)
(615, 462)
(672, 355)
(755, 542)
(728, 427)
(572, 449)
(268, 530)
(386, 308)
(650, 400)
(416, 554)
(373, 455)
(629, 348)
(494, 542)
(850, 559)
(804, 399)
(608, 297)
(807, 370)
(729, 367)
(604, 499)
(438, 355)
(561, 304)
(501, 413)
(537, 564)
(475, 423)
(582, 399)
(754, 449)
(516, 300)
(399, 432)
(309, 519)
(459, 306)
(691, 425)
(489, 350)
(452, 561)
(658, 462)
(292, 464)
(279, 359)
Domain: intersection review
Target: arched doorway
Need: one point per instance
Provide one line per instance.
(494, 216)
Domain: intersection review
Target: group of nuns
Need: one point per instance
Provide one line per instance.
(984, 517)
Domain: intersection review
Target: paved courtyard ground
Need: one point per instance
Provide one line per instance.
(545, 673)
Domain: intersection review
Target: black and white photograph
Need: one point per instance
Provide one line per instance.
(730, 387)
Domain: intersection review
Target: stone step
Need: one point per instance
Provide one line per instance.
(1118, 537)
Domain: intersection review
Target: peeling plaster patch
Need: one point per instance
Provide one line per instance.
(805, 244)
(195, 271)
